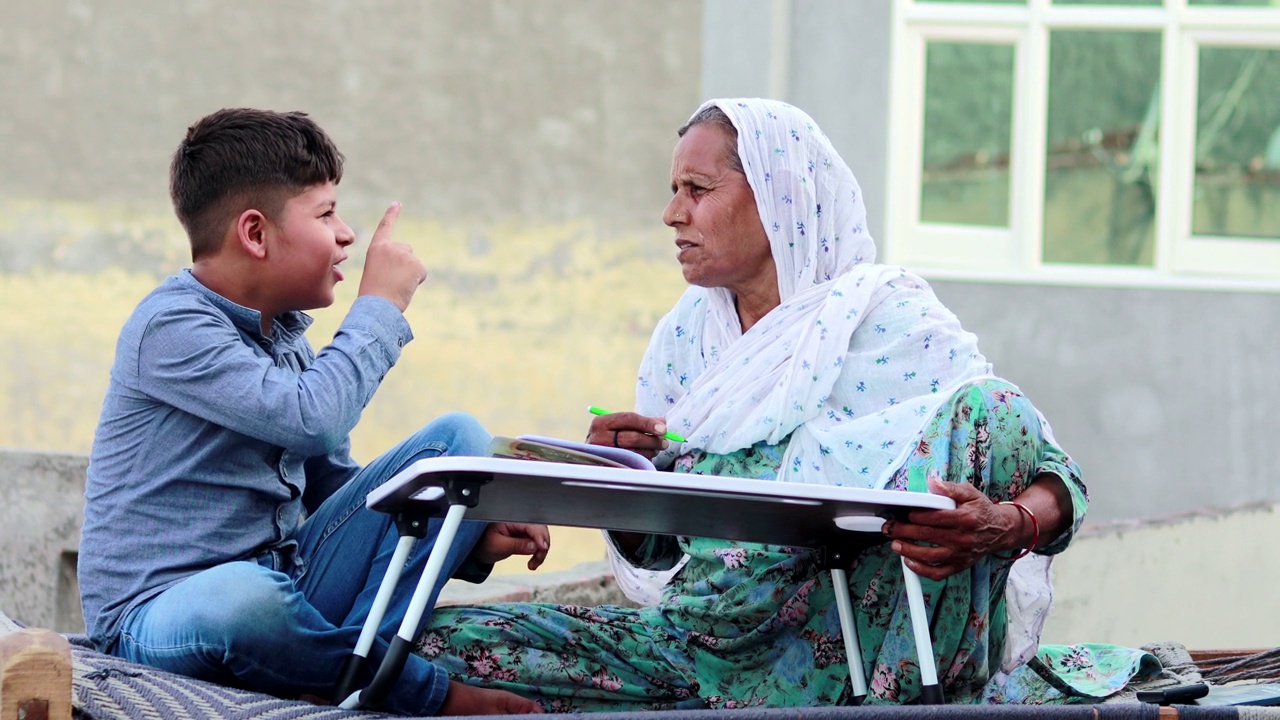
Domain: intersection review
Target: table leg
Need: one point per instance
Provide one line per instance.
(849, 630)
(369, 632)
(393, 663)
(930, 690)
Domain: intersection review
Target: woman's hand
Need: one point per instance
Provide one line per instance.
(468, 700)
(635, 432)
(976, 527)
(501, 540)
(629, 430)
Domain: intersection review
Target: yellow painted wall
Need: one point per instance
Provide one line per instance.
(521, 326)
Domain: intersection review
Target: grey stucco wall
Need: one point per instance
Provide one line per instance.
(737, 57)
(1166, 398)
(488, 109)
(41, 507)
(835, 67)
(840, 76)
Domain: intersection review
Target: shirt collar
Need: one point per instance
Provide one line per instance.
(287, 325)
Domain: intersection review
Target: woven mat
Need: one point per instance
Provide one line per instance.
(108, 688)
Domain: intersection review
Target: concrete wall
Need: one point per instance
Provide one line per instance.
(827, 57)
(492, 109)
(41, 506)
(1165, 398)
(1204, 579)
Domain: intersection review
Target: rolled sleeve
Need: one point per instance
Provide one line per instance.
(385, 325)
(1057, 462)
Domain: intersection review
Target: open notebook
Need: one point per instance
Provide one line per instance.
(547, 449)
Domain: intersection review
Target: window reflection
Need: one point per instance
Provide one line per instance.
(1102, 147)
(1237, 185)
(1227, 3)
(980, 2)
(968, 110)
(1107, 2)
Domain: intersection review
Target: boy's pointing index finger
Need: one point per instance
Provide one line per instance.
(383, 232)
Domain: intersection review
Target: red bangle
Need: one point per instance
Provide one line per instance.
(1035, 532)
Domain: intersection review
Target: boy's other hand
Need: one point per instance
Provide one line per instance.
(501, 540)
(470, 700)
(391, 270)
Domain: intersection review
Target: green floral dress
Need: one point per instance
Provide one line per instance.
(756, 625)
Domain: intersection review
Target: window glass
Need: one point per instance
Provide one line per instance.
(1107, 2)
(1225, 3)
(1102, 147)
(968, 110)
(1237, 186)
(978, 2)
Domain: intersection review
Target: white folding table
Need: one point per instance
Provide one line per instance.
(511, 490)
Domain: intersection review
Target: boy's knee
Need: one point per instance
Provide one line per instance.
(460, 433)
(244, 597)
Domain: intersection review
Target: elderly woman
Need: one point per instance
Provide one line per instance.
(794, 357)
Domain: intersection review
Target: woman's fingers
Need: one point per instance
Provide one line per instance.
(940, 543)
(970, 504)
(633, 440)
(628, 430)
(949, 528)
(934, 562)
(934, 572)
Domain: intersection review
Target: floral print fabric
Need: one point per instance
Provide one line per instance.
(756, 625)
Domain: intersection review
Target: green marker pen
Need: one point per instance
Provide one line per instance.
(601, 411)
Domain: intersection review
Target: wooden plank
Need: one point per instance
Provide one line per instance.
(1199, 656)
(35, 676)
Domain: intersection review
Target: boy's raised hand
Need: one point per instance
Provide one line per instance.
(391, 270)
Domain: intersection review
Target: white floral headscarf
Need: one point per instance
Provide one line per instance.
(853, 362)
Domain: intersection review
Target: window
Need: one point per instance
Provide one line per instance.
(1137, 138)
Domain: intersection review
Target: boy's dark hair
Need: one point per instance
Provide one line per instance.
(240, 158)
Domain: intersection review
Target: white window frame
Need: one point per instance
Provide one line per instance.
(1016, 252)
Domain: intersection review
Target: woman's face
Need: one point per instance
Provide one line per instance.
(713, 211)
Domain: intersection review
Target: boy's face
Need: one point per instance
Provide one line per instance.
(310, 242)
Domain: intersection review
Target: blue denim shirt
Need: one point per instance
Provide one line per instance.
(214, 441)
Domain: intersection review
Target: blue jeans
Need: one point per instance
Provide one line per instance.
(287, 625)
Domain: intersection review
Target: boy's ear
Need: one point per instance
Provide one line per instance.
(251, 233)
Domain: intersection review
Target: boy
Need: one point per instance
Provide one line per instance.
(225, 533)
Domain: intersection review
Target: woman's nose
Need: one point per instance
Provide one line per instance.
(672, 212)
